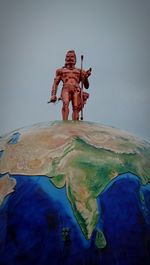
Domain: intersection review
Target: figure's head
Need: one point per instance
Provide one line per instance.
(70, 59)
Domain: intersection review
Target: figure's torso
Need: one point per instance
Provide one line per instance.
(70, 77)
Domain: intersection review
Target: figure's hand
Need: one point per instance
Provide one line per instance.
(53, 99)
(88, 72)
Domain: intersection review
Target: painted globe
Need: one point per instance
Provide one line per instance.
(74, 193)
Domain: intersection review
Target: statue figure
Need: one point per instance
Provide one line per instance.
(71, 90)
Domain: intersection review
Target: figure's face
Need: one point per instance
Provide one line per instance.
(70, 59)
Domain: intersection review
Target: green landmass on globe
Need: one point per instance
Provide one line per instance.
(82, 156)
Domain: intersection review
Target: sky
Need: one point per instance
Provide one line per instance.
(113, 36)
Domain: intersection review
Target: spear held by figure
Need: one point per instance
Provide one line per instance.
(84, 95)
(81, 88)
(71, 91)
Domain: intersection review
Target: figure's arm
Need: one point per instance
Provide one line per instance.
(56, 82)
(86, 74)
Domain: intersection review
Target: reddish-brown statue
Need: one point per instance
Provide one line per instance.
(74, 80)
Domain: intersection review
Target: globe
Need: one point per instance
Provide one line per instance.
(74, 193)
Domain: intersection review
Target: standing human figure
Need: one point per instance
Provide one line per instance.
(71, 91)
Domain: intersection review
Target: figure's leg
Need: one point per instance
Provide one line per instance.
(65, 108)
(75, 106)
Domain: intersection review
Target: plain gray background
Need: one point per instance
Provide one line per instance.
(113, 36)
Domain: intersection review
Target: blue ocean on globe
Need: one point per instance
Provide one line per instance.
(38, 226)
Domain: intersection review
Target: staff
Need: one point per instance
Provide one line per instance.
(81, 88)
